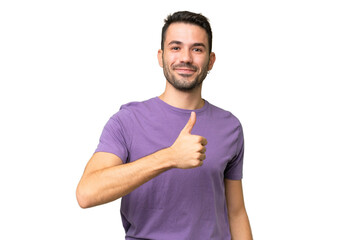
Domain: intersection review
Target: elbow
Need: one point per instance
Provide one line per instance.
(82, 198)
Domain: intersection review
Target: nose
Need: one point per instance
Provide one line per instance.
(186, 56)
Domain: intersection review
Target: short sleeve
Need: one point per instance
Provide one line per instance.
(116, 135)
(234, 169)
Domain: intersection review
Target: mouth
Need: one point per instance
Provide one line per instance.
(185, 71)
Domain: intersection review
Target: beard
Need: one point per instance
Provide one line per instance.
(182, 83)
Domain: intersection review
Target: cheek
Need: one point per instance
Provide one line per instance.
(204, 64)
(172, 58)
(201, 60)
(168, 60)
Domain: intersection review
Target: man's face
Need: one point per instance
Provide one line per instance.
(185, 58)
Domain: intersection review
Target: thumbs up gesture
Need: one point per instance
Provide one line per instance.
(189, 150)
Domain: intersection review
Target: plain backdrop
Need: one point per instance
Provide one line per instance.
(289, 70)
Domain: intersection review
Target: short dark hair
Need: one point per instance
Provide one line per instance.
(187, 17)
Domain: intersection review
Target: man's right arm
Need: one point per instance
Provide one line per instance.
(106, 178)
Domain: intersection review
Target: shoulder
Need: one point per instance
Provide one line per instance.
(224, 116)
(133, 107)
(130, 110)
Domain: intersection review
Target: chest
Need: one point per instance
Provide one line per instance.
(150, 136)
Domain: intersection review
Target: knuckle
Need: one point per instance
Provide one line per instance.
(199, 139)
(199, 148)
(194, 163)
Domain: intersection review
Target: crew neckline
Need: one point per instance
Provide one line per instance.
(181, 110)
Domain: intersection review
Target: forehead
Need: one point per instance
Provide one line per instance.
(186, 33)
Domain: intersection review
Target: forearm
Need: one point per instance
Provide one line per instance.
(240, 226)
(109, 184)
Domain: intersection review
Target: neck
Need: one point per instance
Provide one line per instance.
(189, 100)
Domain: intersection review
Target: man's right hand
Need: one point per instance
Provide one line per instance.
(188, 151)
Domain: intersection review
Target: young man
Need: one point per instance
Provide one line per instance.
(176, 160)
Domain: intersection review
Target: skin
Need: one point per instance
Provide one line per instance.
(185, 64)
(185, 61)
(185, 44)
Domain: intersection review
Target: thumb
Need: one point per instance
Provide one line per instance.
(190, 124)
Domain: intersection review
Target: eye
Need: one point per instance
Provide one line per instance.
(175, 48)
(197, 50)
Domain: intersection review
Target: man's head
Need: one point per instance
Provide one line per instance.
(187, 17)
(185, 54)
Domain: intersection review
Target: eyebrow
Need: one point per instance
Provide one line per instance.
(193, 45)
(199, 45)
(175, 42)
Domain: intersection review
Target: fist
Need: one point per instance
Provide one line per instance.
(188, 151)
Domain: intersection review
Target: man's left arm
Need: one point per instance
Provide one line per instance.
(238, 219)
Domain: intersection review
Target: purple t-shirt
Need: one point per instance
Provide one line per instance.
(179, 203)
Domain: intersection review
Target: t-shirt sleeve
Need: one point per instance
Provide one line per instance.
(116, 135)
(234, 169)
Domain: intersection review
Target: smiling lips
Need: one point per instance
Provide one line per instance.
(185, 69)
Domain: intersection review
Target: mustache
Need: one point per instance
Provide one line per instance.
(185, 65)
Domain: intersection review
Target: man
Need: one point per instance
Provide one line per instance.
(153, 154)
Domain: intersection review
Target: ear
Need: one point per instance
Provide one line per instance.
(211, 61)
(160, 57)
